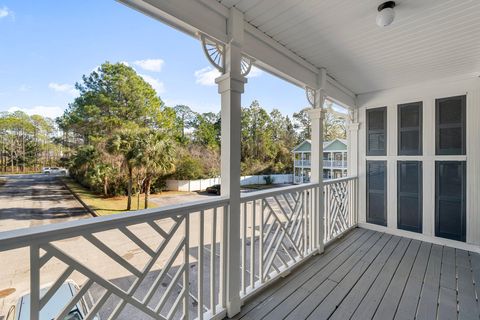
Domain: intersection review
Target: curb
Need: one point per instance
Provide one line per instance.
(86, 206)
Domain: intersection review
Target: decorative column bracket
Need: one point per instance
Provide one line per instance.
(215, 53)
(315, 97)
(311, 96)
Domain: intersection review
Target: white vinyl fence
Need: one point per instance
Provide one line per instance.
(202, 184)
(191, 185)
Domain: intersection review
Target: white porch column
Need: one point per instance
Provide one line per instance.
(316, 157)
(352, 144)
(231, 86)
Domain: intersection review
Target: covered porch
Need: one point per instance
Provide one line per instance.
(392, 240)
(372, 275)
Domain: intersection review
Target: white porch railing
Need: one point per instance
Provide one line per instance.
(165, 263)
(277, 231)
(171, 263)
(303, 163)
(340, 196)
(335, 164)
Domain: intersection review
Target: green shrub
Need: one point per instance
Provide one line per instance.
(269, 180)
(189, 168)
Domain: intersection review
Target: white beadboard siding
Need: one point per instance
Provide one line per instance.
(427, 93)
(429, 39)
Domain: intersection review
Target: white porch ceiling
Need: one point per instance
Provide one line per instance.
(429, 39)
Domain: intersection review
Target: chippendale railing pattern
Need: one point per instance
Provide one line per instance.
(277, 231)
(167, 263)
(340, 201)
(171, 263)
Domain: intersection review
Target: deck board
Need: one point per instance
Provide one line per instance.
(475, 261)
(372, 275)
(333, 272)
(408, 304)
(388, 305)
(328, 306)
(369, 304)
(447, 299)
(447, 304)
(467, 304)
(346, 309)
(427, 306)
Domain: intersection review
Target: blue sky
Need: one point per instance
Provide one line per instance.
(46, 46)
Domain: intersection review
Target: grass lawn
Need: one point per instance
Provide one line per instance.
(105, 206)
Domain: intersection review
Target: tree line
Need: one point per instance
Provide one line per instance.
(267, 140)
(119, 138)
(28, 143)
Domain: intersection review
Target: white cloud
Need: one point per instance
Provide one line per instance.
(254, 72)
(63, 87)
(51, 112)
(5, 12)
(207, 75)
(154, 65)
(155, 83)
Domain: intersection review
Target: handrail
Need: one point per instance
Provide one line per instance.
(332, 181)
(270, 193)
(19, 238)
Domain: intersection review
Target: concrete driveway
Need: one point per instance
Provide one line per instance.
(35, 199)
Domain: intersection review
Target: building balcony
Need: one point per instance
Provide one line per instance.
(303, 163)
(335, 164)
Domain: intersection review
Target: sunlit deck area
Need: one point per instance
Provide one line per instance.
(372, 275)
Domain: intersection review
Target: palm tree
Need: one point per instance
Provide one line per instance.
(125, 144)
(102, 173)
(156, 157)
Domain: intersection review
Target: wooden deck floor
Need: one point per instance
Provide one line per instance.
(372, 275)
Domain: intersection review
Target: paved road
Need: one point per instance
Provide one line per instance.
(27, 201)
(34, 199)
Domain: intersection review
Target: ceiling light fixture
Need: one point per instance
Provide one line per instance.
(385, 14)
